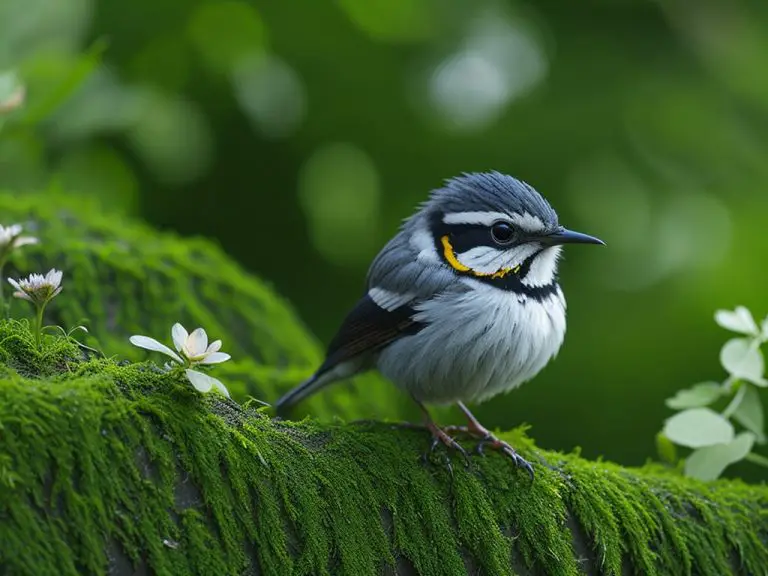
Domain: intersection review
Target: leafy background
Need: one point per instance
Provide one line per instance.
(298, 134)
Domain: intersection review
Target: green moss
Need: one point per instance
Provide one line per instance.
(122, 277)
(126, 466)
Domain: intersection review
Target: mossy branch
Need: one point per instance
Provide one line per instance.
(121, 469)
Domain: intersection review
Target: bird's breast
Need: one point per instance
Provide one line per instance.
(476, 343)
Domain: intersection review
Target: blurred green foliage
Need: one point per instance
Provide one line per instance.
(299, 134)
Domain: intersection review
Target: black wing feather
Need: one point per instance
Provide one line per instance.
(367, 328)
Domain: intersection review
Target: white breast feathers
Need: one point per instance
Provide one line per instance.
(476, 344)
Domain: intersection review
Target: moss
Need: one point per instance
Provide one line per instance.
(122, 277)
(126, 467)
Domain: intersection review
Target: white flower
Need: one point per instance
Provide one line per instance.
(11, 238)
(12, 92)
(195, 348)
(38, 289)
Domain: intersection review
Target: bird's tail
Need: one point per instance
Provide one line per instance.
(300, 392)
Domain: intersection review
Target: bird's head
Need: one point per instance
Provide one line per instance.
(497, 229)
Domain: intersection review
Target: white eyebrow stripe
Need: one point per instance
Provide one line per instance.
(528, 222)
(484, 218)
(525, 221)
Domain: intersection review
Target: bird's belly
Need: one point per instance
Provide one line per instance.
(475, 345)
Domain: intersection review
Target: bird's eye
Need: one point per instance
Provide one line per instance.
(502, 233)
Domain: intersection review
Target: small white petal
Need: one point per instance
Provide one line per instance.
(53, 277)
(179, 335)
(197, 342)
(24, 241)
(14, 283)
(23, 296)
(215, 358)
(220, 386)
(214, 346)
(151, 344)
(201, 382)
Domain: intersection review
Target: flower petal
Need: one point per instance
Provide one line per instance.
(220, 386)
(197, 342)
(179, 335)
(23, 296)
(24, 241)
(214, 346)
(215, 358)
(54, 277)
(201, 382)
(151, 344)
(14, 283)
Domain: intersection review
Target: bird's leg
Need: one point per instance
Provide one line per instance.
(487, 438)
(439, 435)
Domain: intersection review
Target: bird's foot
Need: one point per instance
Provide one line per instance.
(490, 440)
(439, 436)
(494, 443)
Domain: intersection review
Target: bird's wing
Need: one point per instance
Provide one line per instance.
(378, 318)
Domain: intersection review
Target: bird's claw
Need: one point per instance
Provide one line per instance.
(440, 437)
(508, 451)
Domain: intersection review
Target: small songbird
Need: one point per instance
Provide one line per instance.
(461, 305)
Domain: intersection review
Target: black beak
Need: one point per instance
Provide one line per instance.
(565, 236)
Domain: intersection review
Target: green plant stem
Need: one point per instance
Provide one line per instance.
(757, 459)
(4, 308)
(734, 404)
(39, 326)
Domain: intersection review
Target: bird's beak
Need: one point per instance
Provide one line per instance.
(565, 236)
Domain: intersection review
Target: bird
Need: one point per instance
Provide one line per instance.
(461, 305)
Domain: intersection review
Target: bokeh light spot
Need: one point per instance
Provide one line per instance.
(499, 60)
(102, 104)
(339, 191)
(224, 32)
(392, 20)
(694, 231)
(685, 230)
(172, 136)
(270, 93)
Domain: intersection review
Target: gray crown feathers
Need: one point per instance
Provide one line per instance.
(491, 191)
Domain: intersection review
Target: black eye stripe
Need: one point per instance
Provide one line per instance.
(465, 240)
(464, 237)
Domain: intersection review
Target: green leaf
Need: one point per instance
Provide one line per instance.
(699, 395)
(743, 360)
(698, 427)
(77, 75)
(750, 412)
(738, 320)
(708, 463)
(666, 449)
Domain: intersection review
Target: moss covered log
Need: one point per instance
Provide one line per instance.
(123, 277)
(123, 469)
